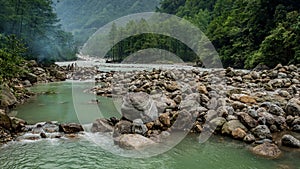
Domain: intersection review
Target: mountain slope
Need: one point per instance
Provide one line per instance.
(84, 17)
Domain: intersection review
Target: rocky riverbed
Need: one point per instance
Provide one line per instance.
(261, 108)
(251, 106)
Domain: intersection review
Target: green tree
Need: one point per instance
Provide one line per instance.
(36, 23)
(11, 52)
(282, 45)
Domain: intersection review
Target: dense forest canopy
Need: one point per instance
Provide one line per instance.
(142, 34)
(245, 33)
(30, 29)
(36, 25)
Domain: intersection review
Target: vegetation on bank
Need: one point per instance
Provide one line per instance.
(11, 52)
(134, 40)
(33, 25)
(245, 33)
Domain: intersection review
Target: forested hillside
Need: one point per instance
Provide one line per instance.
(84, 17)
(245, 33)
(29, 29)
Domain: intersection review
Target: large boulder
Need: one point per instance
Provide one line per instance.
(7, 98)
(139, 106)
(5, 122)
(218, 122)
(262, 132)
(133, 142)
(269, 118)
(276, 110)
(38, 71)
(272, 108)
(293, 107)
(183, 121)
(122, 127)
(247, 120)
(50, 127)
(290, 141)
(249, 138)
(70, 128)
(230, 126)
(31, 77)
(188, 104)
(102, 125)
(238, 133)
(267, 150)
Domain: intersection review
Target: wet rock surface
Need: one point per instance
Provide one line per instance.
(133, 141)
(70, 128)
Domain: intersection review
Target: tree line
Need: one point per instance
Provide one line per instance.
(139, 42)
(30, 29)
(245, 33)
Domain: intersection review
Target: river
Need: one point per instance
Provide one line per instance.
(56, 104)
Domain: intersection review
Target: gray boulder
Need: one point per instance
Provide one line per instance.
(183, 121)
(270, 119)
(293, 107)
(228, 127)
(249, 138)
(247, 120)
(133, 142)
(276, 110)
(189, 104)
(139, 106)
(262, 132)
(122, 127)
(290, 141)
(218, 122)
(50, 127)
(102, 125)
